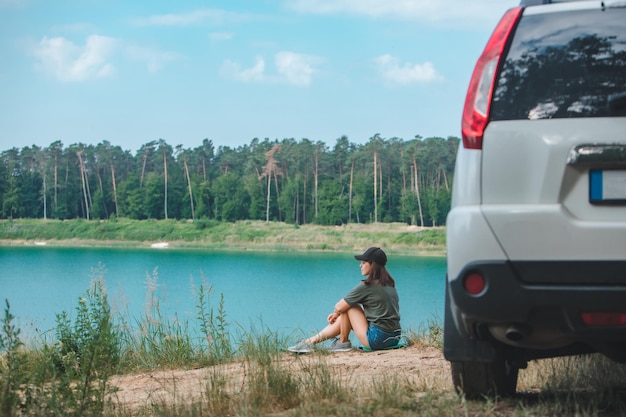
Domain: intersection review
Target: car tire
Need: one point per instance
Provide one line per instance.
(484, 379)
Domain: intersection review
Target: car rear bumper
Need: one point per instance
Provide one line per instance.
(541, 315)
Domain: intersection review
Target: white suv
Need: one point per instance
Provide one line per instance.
(536, 235)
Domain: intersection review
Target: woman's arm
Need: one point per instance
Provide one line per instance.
(341, 307)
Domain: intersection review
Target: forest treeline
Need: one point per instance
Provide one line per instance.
(294, 181)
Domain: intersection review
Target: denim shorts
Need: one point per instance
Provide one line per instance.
(380, 339)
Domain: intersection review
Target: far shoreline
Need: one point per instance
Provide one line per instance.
(434, 251)
(252, 236)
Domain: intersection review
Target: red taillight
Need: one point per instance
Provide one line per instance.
(604, 319)
(478, 99)
(474, 283)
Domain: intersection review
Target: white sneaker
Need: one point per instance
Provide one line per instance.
(301, 347)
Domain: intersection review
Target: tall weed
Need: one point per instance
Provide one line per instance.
(270, 386)
(220, 398)
(392, 392)
(578, 385)
(213, 325)
(154, 341)
(320, 384)
(430, 334)
(12, 372)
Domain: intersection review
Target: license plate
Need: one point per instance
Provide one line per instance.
(607, 186)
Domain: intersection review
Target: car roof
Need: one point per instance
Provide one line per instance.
(526, 3)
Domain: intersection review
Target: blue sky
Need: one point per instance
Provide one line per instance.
(135, 71)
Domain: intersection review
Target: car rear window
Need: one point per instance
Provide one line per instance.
(562, 65)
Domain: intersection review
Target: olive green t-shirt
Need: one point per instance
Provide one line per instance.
(380, 304)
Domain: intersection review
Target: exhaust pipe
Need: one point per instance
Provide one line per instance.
(516, 333)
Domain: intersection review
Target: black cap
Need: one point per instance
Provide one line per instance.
(373, 254)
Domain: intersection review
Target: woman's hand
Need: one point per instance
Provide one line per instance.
(341, 306)
(332, 317)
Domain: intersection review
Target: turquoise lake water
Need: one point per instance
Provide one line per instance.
(285, 292)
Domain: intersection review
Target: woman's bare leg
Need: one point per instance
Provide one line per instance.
(327, 332)
(354, 319)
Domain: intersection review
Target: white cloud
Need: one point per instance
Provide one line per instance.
(291, 68)
(393, 71)
(297, 69)
(152, 57)
(68, 62)
(232, 70)
(189, 18)
(422, 10)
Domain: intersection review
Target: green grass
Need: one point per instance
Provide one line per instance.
(396, 238)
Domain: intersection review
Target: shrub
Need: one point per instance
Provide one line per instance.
(85, 354)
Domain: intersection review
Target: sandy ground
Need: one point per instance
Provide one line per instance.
(424, 367)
